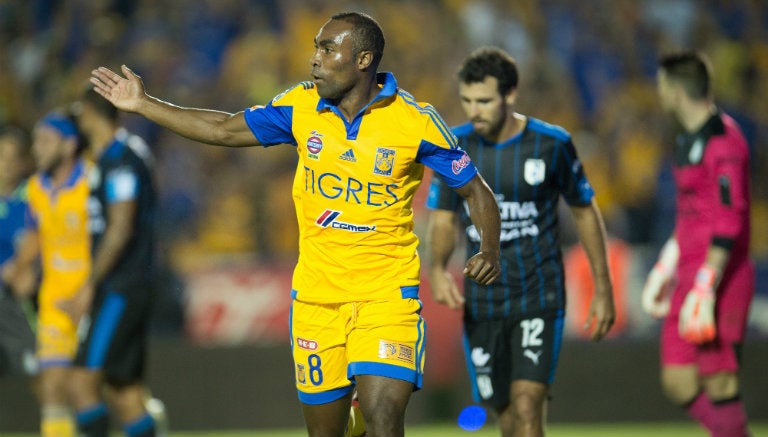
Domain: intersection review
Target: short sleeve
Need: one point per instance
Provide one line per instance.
(572, 179)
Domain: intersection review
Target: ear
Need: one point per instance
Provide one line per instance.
(364, 60)
(511, 96)
(70, 146)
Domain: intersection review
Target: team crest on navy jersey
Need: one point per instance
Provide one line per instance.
(385, 161)
(314, 144)
(534, 171)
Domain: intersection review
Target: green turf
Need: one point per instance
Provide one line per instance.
(652, 429)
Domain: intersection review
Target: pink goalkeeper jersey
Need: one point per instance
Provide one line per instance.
(712, 178)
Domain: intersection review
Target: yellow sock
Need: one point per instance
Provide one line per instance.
(57, 424)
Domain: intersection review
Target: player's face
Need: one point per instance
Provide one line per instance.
(486, 109)
(666, 92)
(12, 166)
(334, 67)
(48, 148)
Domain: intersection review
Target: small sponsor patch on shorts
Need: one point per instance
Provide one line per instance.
(390, 350)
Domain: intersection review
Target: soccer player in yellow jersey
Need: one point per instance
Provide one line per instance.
(57, 229)
(362, 145)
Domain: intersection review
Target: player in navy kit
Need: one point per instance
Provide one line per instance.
(115, 303)
(708, 253)
(17, 340)
(513, 327)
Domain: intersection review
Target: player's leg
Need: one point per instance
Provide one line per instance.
(534, 346)
(57, 342)
(524, 415)
(679, 376)
(728, 415)
(383, 402)
(55, 414)
(125, 362)
(386, 356)
(128, 402)
(704, 379)
(328, 419)
(319, 348)
(720, 361)
(91, 411)
(114, 353)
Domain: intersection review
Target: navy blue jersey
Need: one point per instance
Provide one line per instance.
(12, 212)
(124, 174)
(528, 173)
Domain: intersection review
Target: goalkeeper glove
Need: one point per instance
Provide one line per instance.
(658, 286)
(697, 315)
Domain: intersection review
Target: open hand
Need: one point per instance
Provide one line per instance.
(126, 93)
(445, 290)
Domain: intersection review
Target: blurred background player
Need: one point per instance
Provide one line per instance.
(514, 327)
(17, 286)
(56, 232)
(115, 302)
(707, 255)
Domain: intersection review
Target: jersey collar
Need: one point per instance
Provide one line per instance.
(77, 171)
(114, 149)
(388, 89)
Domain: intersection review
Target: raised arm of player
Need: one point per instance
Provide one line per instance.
(591, 230)
(203, 125)
(483, 267)
(441, 239)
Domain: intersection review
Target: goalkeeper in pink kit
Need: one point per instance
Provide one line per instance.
(703, 282)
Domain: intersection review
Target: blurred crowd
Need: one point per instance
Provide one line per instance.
(586, 65)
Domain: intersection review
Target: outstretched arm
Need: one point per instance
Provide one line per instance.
(203, 125)
(484, 267)
(591, 230)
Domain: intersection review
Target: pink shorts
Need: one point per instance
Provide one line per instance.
(732, 310)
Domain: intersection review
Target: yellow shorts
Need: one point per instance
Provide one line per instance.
(332, 343)
(56, 337)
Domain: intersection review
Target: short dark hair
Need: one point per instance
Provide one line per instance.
(367, 34)
(102, 106)
(689, 69)
(490, 61)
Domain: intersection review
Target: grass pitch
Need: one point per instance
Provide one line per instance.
(655, 429)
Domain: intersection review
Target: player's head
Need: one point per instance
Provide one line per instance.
(487, 87)
(55, 141)
(683, 75)
(92, 110)
(15, 156)
(348, 50)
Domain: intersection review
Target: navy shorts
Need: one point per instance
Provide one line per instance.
(501, 351)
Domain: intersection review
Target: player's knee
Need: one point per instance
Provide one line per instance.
(721, 386)
(679, 394)
(526, 408)
(680, 386)
(383, 417)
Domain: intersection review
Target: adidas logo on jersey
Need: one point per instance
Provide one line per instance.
(349, 155)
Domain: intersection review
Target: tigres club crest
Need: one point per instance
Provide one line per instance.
(385, 161)
(534, 171)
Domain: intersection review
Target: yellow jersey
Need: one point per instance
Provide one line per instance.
(354, 186)
(60, 217)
